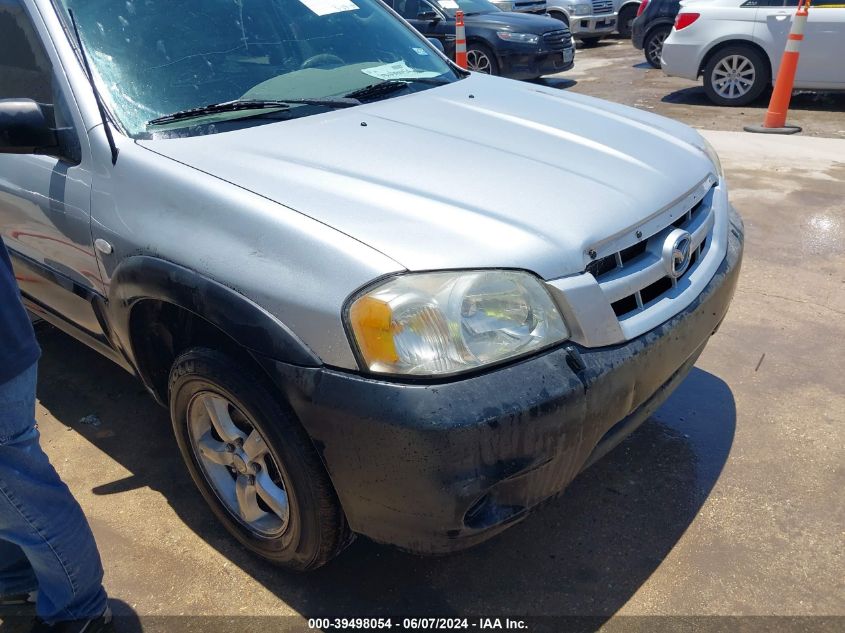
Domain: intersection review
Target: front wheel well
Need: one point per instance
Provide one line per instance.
(739, 42)
(160, 331)
(480, 40)
(560, 15)
(655, 26)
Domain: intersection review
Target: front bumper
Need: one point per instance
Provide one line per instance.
(592, 25)
(518, 65)
(438, 467)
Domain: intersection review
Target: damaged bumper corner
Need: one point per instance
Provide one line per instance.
(439, 467)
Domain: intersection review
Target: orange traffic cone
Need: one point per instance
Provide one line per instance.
(775, 121)
(460, 40)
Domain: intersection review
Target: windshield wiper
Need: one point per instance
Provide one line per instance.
(392, 85)
(253, 104)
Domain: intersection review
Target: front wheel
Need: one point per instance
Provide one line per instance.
(481, 59)
(736, 76)
(653, 45)
(253, 462)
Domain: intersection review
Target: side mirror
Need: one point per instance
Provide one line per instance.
(429, 16)
(436, 44)
(24, 128)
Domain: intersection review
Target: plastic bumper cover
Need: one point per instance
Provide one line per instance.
(528, 66)
(592, 25)
(681, 60)
(438, 467)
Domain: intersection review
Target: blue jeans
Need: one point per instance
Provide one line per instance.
(45, 541)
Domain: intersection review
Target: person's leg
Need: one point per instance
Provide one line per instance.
(17, 580)
(39, 514)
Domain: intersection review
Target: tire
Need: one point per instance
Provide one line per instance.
(478, 53)
(590, 42)
(653, 45)
(626, 19)
(272, 450)
(753, 76)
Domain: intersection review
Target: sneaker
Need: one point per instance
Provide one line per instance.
(102, 624)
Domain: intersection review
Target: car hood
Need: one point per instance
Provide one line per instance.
(484, 172)
(516, 22)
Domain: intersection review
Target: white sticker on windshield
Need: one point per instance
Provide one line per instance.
(420, 51)
(327, 7)
(397, 70)
(448, 4)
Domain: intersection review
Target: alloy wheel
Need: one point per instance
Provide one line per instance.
(733, 77)
(655, 48)
(238, 464)
(479, 62)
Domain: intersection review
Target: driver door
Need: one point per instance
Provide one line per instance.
(430, 20)
(45, 214)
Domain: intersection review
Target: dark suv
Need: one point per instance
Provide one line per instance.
(514, 45)
(651, 28)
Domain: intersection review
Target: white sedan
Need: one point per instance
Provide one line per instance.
(737, 45)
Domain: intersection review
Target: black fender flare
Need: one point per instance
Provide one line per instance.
(670, 22)
(144, 277)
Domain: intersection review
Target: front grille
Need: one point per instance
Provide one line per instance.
(558, 40)
(635, 277)
(602, 6)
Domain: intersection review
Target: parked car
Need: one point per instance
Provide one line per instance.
(514, 45)
(346, 266)
(626, 11)
(522, 6)
(589, 20)
(652, 26)
(736, 46)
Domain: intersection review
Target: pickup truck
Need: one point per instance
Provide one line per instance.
(522, 6)
(589, 20)
(379, 295)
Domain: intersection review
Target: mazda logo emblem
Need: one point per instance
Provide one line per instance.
(677, 249)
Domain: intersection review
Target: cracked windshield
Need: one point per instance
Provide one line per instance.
(164, 64)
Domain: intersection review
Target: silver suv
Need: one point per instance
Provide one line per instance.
(346, 266)
(588, 20)
(521, 6)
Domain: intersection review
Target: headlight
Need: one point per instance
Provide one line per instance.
(440, 323)
(582, 9)
(522, 38)
(504, 5)
(708, 149)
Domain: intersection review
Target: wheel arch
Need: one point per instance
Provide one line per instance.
(487, 43)
(158, 308)
(484, 40)
(558, 11)
(656, 24)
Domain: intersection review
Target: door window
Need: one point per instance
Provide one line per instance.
(25, 70)
(410, 9)
(27, 73)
